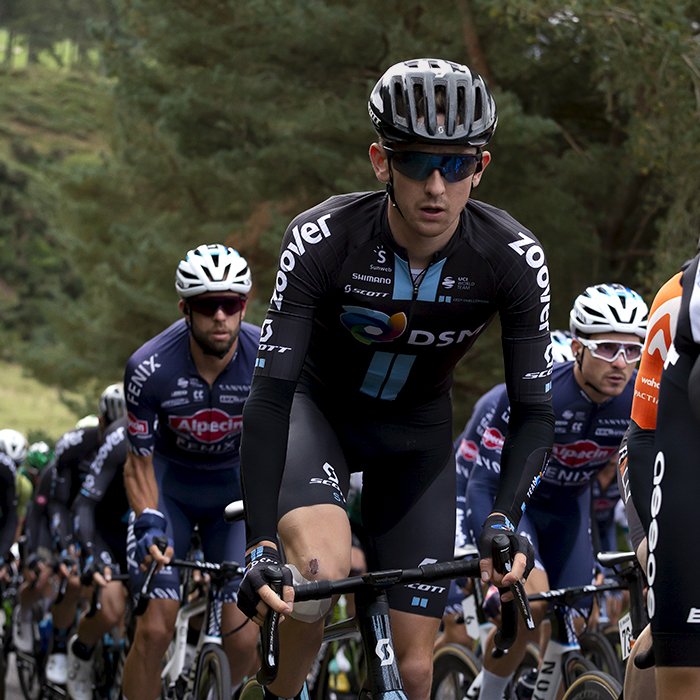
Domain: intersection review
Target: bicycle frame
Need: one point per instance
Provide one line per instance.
(176, 664)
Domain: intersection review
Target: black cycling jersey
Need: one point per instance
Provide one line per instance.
(37, 531)
(8, 504)
(672, 597)
(74, 452)
(348, 321)
(101, 508)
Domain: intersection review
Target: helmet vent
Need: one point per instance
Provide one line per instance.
(399, 102)
(616, 315)
(419, 100)
(478, 105)
(461, 105)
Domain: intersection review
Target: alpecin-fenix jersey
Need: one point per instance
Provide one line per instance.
(347, 310)
(172, 410)
(587, 436)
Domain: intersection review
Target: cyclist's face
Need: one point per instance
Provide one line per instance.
(599, 378)
(430, 208)
(218, 332)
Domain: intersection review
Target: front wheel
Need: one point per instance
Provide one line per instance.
(29, 676)
(454, 669)
(596, 647)
(251, 690)
(594, 685)
(213, 679)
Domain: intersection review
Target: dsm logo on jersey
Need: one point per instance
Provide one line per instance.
(370, 326)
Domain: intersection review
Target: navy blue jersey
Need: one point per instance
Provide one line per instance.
(587, 435)
(466, 450)
(173, 411)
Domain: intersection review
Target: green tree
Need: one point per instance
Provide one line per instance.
(233, 115)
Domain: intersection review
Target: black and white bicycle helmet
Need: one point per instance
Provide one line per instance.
(14, 445)
(405, 103)
(212, 268)
(112, 403)
(606, 308)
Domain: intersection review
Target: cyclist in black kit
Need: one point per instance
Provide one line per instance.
(673, 601)
(377, 297)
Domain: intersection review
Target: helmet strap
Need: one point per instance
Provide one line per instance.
(579, 360)
(390, 191)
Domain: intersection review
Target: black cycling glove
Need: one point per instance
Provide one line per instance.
(259, 562)
(498, 524)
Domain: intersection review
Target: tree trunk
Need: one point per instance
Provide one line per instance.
(7, 60)
(477, 58)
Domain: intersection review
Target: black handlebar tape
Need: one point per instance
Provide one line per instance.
(143, 595)
(269, 634)
(505, 636)
(500, 547)
(464, 568)
(61, 591)
(96, 603)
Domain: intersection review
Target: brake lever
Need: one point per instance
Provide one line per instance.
(501, 560)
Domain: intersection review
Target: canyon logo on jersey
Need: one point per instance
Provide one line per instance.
(207, 426)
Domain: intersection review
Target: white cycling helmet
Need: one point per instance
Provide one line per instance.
(606, 308)
(212, 268)
(561, 346)
(14, 445)
(89, 421)
(112, 403)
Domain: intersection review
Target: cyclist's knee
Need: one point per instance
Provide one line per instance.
(416, 672)
(153, 633)
(244, 641)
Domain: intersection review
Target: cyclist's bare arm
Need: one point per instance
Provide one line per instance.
(140, 482)
(142, 492)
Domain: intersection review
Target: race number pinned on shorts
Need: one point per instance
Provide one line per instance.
(625, 628)
(470, 620)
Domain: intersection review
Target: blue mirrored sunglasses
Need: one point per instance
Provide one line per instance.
(418, 166)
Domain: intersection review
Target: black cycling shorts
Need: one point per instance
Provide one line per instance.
(408, 484)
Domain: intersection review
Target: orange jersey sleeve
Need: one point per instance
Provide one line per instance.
(661, 328)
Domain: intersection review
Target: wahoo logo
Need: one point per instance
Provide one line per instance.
(369, 326)
(582, 452)
(207, 425)
(492, 439)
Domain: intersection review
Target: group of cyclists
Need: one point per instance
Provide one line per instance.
(378, 295)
